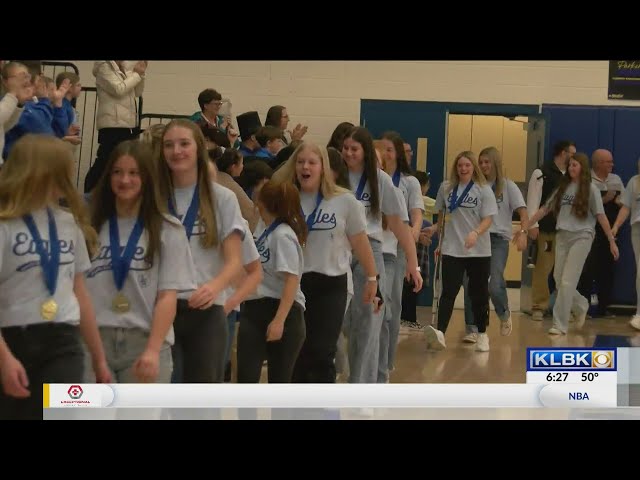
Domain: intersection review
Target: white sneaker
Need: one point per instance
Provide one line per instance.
(537, 315)
(471, 337)
(483, 343)
(555, 331)
(506, 327)
(435, 338)
(580, 319)
(635, 322)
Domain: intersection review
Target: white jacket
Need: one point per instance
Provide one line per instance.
(9, 116)
(117, 92)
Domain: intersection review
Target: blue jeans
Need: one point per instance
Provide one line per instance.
(497, 284)
(363, 324)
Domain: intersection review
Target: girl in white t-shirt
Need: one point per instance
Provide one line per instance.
(44, 304)
(336, 225)
(465, 247)
(577, 204)
(397, 166)
(272, 325)
(375, 190)
(509, 199)
(143, 262)
(214, 227)
(631, 208)
(246, 283)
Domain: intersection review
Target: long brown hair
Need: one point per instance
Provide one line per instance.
(363, 137)
(580, 206)
(207, 212)
(103, 200)
(401, 157)
(282, 200)
(36, 166)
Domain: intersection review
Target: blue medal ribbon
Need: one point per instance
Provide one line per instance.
(361, 184)
(396, 178)
(455, 200)
(268, 231)
(189, 219)
(50, 263)
(311, 218)
(122, 263)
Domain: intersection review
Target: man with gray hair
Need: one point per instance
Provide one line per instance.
(599, 266)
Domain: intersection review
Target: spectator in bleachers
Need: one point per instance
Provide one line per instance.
(278, 117)
(254, 176)
(117, 116)
(270, 139)
(42, 114)
(210, 102)
(230, 166)
(249, 124)
(213, 136)
(72, 135)
(50, 85)
(17, 91)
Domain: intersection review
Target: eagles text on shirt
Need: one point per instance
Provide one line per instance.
(468, 201)
(324, 220)
(24, 245)
(138, 264)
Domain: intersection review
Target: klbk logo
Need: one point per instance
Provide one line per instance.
(75, 392)
(570, 359)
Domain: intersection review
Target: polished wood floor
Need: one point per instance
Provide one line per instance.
(505, 362)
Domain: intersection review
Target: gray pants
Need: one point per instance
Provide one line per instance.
(123, 346)
(572, 249)
(635, 241)
(364, 326)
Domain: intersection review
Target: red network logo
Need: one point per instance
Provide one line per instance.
(75, 392)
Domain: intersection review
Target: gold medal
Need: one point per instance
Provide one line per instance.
(49, 309)
(120, 303)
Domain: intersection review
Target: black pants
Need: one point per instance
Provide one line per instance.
(201, 342)
(253, 347)
(50, 353)
(599, 267)
(409, 302)
(453, 269)
(108, 139)
(326, 302)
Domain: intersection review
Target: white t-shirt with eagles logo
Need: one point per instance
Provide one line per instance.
(22, 286)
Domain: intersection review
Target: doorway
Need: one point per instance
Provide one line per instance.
(425, 126)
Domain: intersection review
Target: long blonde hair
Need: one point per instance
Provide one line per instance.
(38, 166)
(287, 172)
(493, 154)
(207, 212)
(477, 175)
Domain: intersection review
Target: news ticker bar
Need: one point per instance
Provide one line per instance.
(551, 395)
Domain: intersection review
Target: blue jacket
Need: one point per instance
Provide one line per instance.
(70, 116)
(37, 117)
